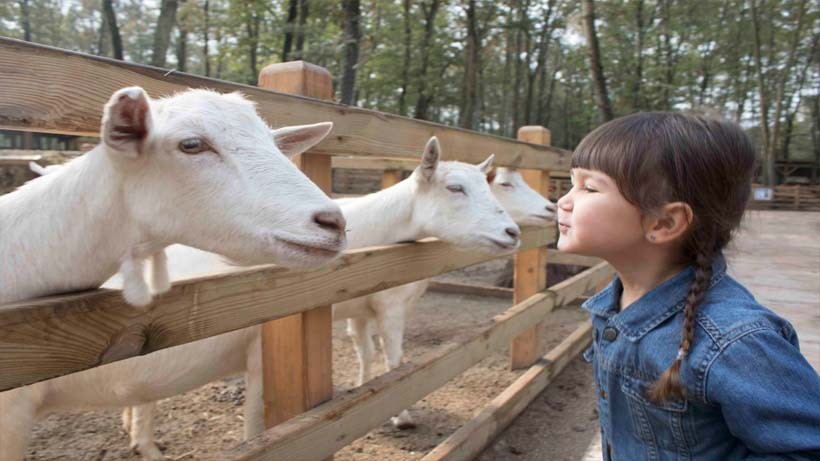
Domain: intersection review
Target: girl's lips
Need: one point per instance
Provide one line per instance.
(563, 227)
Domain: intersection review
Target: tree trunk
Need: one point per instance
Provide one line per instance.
(768, 161)
(252, 23)
(472, 51)
(25, 17)
(113, 29)
(103, 38)
(798, 92)
(182, 48)
(596, 68)
(405, 70)
(538, 75)
(162, 36)
(352, 15)
(423, 102)
(290, 28)
(780, 87)
(300, 31)
(206, 60)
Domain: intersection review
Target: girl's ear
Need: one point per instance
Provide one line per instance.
(670, 223)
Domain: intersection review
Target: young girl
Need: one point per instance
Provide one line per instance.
(687, 365)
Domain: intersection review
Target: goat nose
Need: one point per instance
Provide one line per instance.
(512, 232)
(330, 220)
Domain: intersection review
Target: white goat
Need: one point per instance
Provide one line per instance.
(390, 309)
(198, 168)
(448, 200)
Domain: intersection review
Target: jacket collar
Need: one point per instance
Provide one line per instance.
(653, 308)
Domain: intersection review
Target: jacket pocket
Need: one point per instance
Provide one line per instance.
(664, 426)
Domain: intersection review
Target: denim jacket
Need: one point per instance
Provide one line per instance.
(750, 394)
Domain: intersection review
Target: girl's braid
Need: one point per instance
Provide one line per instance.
(669, 384)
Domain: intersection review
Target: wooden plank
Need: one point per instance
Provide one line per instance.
(559, 257)
(297, 351)
(471, 289)
(48, 337)
(588, 281)
(18, 160)
(373, 163)
(530, 273)
(330, 426)
(471, 438)
(72, 98)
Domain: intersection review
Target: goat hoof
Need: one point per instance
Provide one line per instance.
(138, 298)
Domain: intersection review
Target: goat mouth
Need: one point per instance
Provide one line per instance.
(503, 245)
(322, 251)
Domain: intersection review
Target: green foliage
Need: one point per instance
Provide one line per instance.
(657, 55)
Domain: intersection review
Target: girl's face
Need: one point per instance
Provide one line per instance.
(594, 219)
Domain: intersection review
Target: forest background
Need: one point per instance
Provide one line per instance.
(490, 66)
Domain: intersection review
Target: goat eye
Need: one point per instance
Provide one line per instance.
(506, 184)
(193, 145)
(455, 188)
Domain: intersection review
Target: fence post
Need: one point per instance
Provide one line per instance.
(390, 178)
(530, 274)
(297, 350)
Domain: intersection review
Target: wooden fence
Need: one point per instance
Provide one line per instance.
(47, 89)
(798, 197)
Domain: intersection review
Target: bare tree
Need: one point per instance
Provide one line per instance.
(352, 15)
(162, 36)
(25, 18)
(300, 32)
(113, 29)
(253, 20)
(469, 105)
(424, 99)
(405, 71)
(596, 68)
(206, 59)
(290, 26)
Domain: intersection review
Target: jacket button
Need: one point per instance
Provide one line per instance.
(610, 334)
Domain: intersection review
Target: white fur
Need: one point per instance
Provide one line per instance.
(134, 194)
(390, 309)
(420, 206)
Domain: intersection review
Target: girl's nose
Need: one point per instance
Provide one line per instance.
(565, 202)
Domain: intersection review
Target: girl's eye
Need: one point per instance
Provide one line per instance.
(455, 188)
(193, 145)
(589, 189)
(506, 184)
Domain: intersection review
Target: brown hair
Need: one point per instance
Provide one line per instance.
(660, 157)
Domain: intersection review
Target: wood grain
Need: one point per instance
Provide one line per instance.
(71, 101)
(48, 337)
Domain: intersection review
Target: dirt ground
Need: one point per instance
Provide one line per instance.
(559, 425)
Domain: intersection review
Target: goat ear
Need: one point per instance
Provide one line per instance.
(430, 157)
(292, 140)
(486, 165)
(491, 175)
(127, 121)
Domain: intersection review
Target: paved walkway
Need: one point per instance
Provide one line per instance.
(776, 256)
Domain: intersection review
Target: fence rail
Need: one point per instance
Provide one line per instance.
(800, 197)
(52, 90)
(321, 431)
(49, 337)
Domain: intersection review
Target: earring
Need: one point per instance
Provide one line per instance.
(651, 237)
